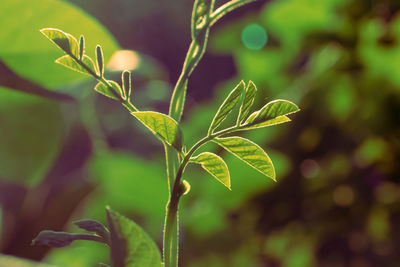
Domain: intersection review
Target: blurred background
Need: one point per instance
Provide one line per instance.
(66, 152)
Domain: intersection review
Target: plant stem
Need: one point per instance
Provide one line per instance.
(171, 218)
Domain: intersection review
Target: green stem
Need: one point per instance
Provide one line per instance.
(171, 218)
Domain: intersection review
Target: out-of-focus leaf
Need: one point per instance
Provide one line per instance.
(130, 245)
(105, 90)
(130, 184)
(64, 41)
(162, 126)
(227, 106)
(215, 165)
(248, 152)
(62, 239)
(28, 53)
(94, 226)
(6, 260)
(251, 90)
(70, 63)
(30, 135)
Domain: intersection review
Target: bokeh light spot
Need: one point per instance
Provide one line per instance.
(343, 195)
(254, 36)
(309, 168)
(124, 60)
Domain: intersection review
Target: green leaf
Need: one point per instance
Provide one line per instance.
(126, 83)
(6, 260)
(23, 48)
(31, 136)
(70, 63)
(272, 110)
(81, 46)
(200, 15)
(63, 40)
(62, 239)
(162, 126)
(249, 152)
(95, 227)
(105, 90)
(100, 60)
(248, 101)
(226, 8)
(227, 106)
(274, 121)
(130, 245)
(215, 165)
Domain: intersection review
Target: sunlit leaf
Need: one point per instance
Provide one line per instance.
(130, 245)
(162, 126)
(215, 165)
(272, 110)
(69, 62)
(127, 83)
(274, 121)
(105, 90)
(63, 40)
(249, 152)
(100, 60)
(227, 106)
(201, 12)
(251, 90)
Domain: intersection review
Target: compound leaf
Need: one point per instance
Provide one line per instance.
(69, 62)
(162, 126)
(249, 152)
(131, 246)
(227, 106)
(215, 165)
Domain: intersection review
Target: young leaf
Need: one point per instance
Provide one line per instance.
(81, 46)
(248, 152)
(94, 226)
(100, 60)
(130, 245)
(126, 83)
(162, 126)
(185, 187)
(248, 101)
(63, 40)
(215, 165)
(105, 90)
(200, 15)
(272, 110)
(62, 239)
(226, 107)
(70, 63)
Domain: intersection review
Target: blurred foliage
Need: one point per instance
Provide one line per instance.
(336, 202)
